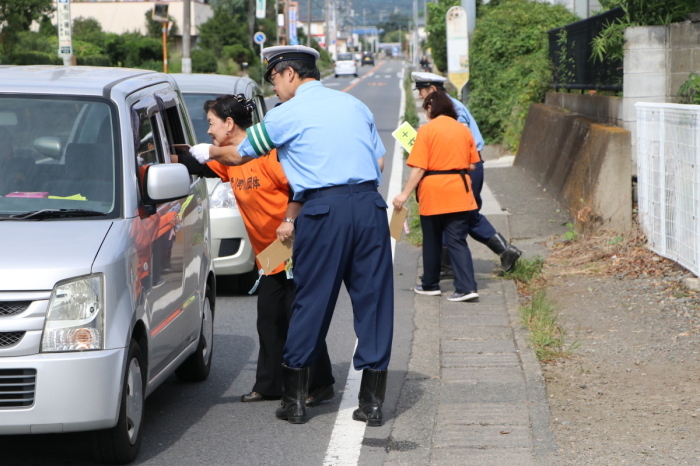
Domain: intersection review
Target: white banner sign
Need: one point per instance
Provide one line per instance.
(457, 47)
(293, 8)
(65, 47)
(260, 9)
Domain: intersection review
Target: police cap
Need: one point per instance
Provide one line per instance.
(280, 53)
(423, 79)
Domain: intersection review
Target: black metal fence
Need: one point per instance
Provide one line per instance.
(573, 64)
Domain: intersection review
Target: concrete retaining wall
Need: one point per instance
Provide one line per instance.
(583, 164)
(601, 108)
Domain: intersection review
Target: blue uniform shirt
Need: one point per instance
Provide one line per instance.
(463, 116)
(323, 138)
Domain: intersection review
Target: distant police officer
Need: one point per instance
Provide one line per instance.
(479, 227)
(332, 156)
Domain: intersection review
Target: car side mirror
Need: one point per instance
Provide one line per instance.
(48, 146)
(166, 182)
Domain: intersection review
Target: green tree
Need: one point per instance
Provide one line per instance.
(225, 27)
(509, 64)
(17, 16)
(88, 30)
(610, 43)
(436, 27)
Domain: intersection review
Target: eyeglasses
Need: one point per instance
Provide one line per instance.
(271, 79)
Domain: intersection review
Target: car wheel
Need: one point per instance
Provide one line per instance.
(196, 368)
(120, 444)
(336, 75)
(355, 74)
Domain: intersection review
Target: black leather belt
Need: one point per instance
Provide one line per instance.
(462, 173)
(367, 186)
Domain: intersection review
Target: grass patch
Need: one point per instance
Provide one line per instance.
(410, 115)
(415, 232)
(526, 271)
(547, 337)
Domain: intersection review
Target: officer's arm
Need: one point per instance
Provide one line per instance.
(227, 155)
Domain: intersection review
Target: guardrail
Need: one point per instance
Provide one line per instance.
(668, 176)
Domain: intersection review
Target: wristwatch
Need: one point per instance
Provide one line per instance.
(289, 220)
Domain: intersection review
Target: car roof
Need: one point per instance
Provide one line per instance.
(77, 80)
(213, 83)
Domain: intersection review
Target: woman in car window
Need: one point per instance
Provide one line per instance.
(263, 196)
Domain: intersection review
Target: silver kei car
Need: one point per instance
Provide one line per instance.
(233, 254)
(106, 276)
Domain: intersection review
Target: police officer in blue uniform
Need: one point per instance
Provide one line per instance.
(332, 156)
(479, 227)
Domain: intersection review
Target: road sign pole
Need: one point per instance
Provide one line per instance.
(259, 38)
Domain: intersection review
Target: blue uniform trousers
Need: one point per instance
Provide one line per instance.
(479, 227)
(342, 235)
(453, 228)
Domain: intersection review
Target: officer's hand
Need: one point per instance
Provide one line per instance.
(200, 152)
(285, 231)
(400, 200)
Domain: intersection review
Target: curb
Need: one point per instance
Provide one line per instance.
(540, 417)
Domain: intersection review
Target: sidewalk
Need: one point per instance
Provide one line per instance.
(474, 393)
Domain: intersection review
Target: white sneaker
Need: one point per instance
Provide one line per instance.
(419, 289)
(457, 297)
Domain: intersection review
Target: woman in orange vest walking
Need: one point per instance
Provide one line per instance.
(443, 153)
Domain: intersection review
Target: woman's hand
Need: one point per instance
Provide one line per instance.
(400, 200)
(285, 231)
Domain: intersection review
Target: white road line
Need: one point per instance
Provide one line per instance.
(346, 439)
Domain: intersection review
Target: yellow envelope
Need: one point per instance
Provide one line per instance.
(398, 217)
(406, 135)
(274, 255)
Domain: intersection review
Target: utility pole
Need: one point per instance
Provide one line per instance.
(186, 45)
(308, 29)
(251, 23)
(415, 33)
(327, 24)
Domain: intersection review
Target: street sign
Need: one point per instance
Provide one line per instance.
(65, 48)
(260, 9)
(457, 47)
(259, 38)
(160, 12)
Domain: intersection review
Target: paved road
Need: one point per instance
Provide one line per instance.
(206, 423)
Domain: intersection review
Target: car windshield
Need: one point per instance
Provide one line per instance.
(345, 56)
(195, 107)
(57, 155)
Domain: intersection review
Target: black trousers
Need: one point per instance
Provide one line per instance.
(455, 228)
(275, 298)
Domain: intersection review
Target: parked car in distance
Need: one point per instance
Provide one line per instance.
(106, 279)
(233, 253)
(345, 64)
(367, 58)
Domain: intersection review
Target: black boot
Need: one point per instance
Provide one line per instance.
(295, 383)
(372, 389)
(508, 253)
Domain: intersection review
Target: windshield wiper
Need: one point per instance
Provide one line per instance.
(54, 213)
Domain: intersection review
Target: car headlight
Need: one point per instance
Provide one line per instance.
(75, 319)
(223, 197)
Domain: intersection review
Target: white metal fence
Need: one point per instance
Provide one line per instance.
(668, 174)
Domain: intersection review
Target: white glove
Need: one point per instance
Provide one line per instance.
(200, 152)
